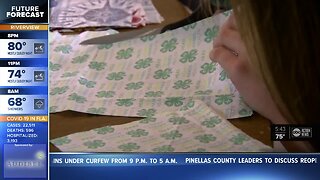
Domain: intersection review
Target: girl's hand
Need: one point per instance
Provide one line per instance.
(230, 52)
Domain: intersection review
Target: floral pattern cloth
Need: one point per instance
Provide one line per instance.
(102, 13)
(193, 128)
(168, 79)
(162, 73)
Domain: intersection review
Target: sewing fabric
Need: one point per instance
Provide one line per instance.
(195, 127)
(168, 79)
(102, 13)
(162, 73)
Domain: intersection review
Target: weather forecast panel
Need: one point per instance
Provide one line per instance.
(24, 89)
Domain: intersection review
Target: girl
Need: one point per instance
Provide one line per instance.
(270, 50)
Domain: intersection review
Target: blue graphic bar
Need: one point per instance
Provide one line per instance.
(26, 62)
(24, 97)
(184, 166)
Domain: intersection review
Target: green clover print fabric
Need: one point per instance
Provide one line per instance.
(195, 127)
(161, 72)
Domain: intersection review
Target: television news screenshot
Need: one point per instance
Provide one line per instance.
(159, 89)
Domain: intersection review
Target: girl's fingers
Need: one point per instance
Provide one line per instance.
(230, 39)
(224, 57)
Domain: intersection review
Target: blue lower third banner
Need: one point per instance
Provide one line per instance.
(184, 166)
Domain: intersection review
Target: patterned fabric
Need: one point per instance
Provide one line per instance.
(193, 128)
(102, 13)
(162, 72)
(168, 79)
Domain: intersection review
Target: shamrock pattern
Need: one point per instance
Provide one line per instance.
(211, 33)
(69, 74)
(203, 93)
(164, 148)
(124, 53)
(87, 83)
(54, 67)
(174, 101)
(166, 90)
(146, 112)
(245, 112)
(143, 63)
(171, 135)
(64, 49)
(224, 99)
(104, 130)
(125, 102)
(169, 83)
(59, 90)
(154, 94)
(94, 144)
(239, 139)
(116, 76)
(190, 26)
(178, 120)
(188, 56)
(208, 68)
(223, 75)
(100, 110)
(128, 147)
(138, 133)
(211, 122)
(169, 45)
(135, 86)
(61, 141)
(182, 84)
(105, 94)
(165, 138)
(152, 72)
(104, 46)
(147, 120)
(97, 65)
(80, 59)
(147, 38)
(206, 138)
(188, 106)
(162, 74)
(75, 97)
(53, 108)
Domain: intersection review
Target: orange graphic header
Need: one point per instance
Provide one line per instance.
(24, 27)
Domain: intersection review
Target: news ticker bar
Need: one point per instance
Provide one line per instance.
(24, 88)
(176, 159)
(184, 166)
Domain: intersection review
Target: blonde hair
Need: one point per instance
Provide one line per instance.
(283, 41)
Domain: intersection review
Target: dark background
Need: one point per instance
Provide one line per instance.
(5, 6)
